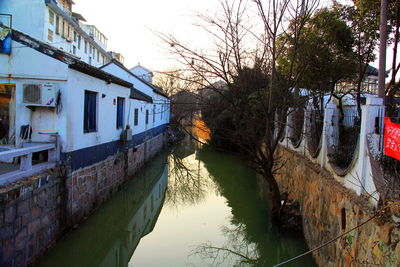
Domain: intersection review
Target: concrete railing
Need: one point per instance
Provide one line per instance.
(26, 167)
(359, 175)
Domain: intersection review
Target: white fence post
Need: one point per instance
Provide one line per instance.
(329, 132)
(370, 111)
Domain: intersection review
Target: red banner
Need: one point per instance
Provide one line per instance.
(392, 139)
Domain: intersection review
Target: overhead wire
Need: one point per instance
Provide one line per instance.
(335, 238)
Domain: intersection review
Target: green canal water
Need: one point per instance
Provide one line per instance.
(191, 206)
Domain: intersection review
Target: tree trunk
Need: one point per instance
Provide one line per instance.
(274, 195)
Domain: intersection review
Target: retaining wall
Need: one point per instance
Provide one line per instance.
(329, 209)
(35, 212)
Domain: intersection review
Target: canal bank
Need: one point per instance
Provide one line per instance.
(329, 209)
(211, 206)
(37, 211)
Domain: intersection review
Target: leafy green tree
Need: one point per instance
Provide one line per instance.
(364, 23)
(323, 54)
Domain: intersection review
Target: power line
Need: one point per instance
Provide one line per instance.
(336, 238)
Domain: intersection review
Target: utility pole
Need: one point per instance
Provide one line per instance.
(382, 50)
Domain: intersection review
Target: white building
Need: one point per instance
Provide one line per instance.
(48, 93)
(53, 22)
(142, 73)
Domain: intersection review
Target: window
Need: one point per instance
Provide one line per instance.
(90, 60)
(90, 49)
(70, 32)
(90, 112)
(7, 114)
(98, 55)
(75, 36)
(64, 32)
(147, 116)
(85, 47)
(154, 113)
(57, 25)
(79, 42)
(51, 17)
(120, 112)
(50, 35)
(136, 117)
(74, 50)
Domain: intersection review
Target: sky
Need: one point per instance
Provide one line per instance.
(130, 26)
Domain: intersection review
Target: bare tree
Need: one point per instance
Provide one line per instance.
(244, 60)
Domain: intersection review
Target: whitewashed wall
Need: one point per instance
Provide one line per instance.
(27, 66)
(162, 109)
(123, 74)
(28, 16)
(142, 73)
(106, 110)
(161, 102)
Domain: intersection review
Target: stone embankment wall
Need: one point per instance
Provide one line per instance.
(329, 209)
(32, 215)
(35, 212)
(90, 186)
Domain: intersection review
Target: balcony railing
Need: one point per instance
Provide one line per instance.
(16, 163)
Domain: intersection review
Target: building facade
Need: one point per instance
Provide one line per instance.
(53, 22)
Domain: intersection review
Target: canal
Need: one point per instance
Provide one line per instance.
(191, 206)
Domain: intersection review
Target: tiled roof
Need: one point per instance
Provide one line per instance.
(136, 94)
(155, 88)
(72, 61)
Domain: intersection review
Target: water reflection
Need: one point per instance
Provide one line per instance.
(111, 235)
(211, 214)
(250, 236)
(188, 183)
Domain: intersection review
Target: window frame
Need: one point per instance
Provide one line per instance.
(51, 17)
(154, 113)
(89, 116)
(120, 112)
(136, 117)
(57, 24)
(50, 35)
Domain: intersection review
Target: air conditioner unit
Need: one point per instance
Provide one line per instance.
(40, 95)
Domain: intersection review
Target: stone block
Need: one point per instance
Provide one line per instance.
(21, 240)
(32, 248)
(8, 249)
(42, 197)
(9, 214)
(44, 220)
(397, 252)
(22, 207)
(26, 218)
(384, 233)
(35, 211)
(395, 236)
(33, 226)
(6, 232)
(41, 239)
